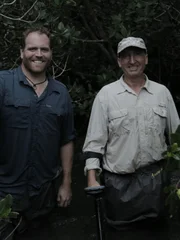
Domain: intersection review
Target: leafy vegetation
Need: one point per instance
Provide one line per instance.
(6, 212)
(86, 34)
(172, 156)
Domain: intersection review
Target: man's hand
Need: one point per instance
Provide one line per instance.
(92, 182)
(64, 195)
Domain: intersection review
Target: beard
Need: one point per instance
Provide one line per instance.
(35, 68)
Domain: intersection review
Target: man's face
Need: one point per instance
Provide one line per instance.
(36, 55)
(133, 60)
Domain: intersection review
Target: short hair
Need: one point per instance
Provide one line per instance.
(40, 30)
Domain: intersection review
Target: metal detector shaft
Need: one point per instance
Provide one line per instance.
(97, 193)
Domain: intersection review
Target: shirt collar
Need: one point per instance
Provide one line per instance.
(21, 76)
(148, 85)
(52, 85)
(124, 87)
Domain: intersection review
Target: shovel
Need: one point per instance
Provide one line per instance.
(97, 193)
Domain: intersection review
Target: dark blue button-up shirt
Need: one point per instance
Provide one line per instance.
(32, 131)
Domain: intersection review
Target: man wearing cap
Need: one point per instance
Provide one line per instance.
(126, 138)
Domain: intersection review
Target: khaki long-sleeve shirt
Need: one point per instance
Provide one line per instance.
(128, 128)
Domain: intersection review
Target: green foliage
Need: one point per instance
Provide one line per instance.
(85, 36)
(6, 208)
(172, 156)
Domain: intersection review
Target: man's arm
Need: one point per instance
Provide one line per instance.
(172, 117)
(66, 154)
(96, 140)
(65, 193)
(92, 178)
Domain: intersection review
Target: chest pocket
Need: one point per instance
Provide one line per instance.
(51, 118)
(160, 116)
(16, 114)
(119, 122)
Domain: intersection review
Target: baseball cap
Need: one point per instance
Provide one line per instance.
(131, 42)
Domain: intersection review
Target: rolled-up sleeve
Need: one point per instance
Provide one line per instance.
(68, 130)
(172, 115)
(92, 163)
(97, 133)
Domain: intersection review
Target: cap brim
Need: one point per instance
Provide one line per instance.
(131, 45)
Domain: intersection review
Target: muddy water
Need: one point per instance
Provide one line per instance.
(78, 222)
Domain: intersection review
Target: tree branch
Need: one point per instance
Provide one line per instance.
(89, 41)
(63, 69)
(21, 18)
(167, 9)
(14, 229)
(100, 30)
(7, 4)
(93, 36)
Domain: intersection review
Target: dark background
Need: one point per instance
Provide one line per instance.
(85, 35)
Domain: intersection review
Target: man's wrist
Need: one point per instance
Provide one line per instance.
(67, 180)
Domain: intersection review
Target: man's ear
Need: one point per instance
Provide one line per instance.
(21, 53)
(146, 61)
(119, 62)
